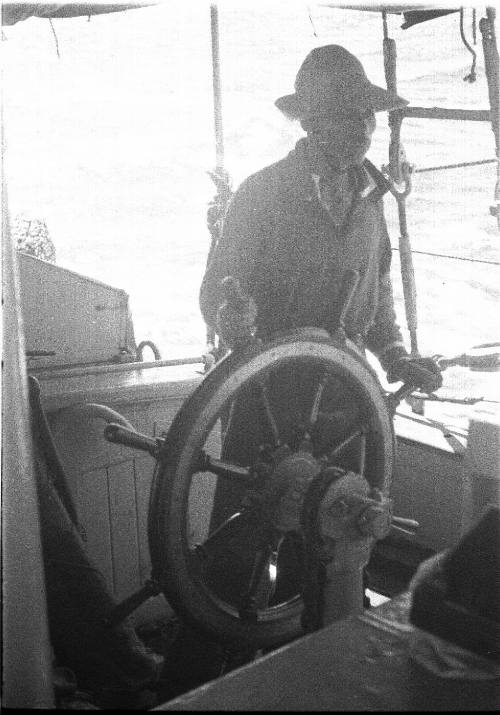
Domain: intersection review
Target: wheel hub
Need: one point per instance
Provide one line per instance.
(283, 498)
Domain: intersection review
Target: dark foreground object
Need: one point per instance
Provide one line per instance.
(362, 663)
(459, 599)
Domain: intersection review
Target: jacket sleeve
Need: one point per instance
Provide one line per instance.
(236, 254)
(384, 338)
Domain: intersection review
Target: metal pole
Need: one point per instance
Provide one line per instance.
(219, 134)
(408, 276)
(452, 114)
(491, 65)
(219, 176)
(399, 173)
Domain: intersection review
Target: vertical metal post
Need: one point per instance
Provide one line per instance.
(219, 176)
(219, 134)
(491, 66)
(399, 173)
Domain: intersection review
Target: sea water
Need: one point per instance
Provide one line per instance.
(110, 133)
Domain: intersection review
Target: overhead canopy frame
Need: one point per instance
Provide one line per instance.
(13, 12)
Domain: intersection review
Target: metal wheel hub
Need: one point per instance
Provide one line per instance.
(283, 498)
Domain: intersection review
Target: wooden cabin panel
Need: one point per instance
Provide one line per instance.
(92, 503)
(111, 483)
(124, 525)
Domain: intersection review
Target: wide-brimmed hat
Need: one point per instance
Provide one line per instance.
(332, 79)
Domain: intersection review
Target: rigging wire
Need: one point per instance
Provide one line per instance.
(311, 21)
(454, 258)
(55, 37)
(455, 166)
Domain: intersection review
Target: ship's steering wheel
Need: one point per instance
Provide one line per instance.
(260, 546)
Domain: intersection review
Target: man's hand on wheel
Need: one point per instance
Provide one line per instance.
(235, 322)
(423, 372)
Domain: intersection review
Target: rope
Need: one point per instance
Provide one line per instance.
(471, 77)
(455, 166)
(455, 258)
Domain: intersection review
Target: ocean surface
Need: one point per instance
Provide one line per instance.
(109, 132)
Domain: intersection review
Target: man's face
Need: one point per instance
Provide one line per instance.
(344, 137)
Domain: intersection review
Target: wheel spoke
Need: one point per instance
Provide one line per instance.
(268, 413)
(203, 549)
(313, 417)
(262, 584)
(226, 470)
(306, 442)
(362, 454)
(339, 448)
(226, 418)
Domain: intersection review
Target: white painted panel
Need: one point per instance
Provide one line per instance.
(80, 319)
(92, 503)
